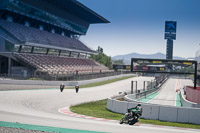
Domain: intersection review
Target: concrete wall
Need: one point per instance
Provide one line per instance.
(158, 112)
(192, 94)
(150, 112)
(186, 103)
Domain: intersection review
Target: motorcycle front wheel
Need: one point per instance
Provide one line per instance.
(121, 121)
(132, 121)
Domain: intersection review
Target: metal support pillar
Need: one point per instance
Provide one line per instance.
(9, 66)
(136, 87)
(144, 86)
(132, 88)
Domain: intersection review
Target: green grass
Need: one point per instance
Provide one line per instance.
(35, 79)
(98, 109)
(101, 83)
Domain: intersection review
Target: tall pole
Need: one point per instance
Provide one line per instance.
(169, 50)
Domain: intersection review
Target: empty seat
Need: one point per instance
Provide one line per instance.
(33, 35)
(52, 63)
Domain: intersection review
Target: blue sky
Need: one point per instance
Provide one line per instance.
(138, 26)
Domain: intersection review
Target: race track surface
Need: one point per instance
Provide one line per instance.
(40, 107)
(168, 93)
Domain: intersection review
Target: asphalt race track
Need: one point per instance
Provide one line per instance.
(40, 107)
(167, 95)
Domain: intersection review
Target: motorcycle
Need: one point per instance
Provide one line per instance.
(132, 115)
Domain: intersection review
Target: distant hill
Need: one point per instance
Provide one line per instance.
(127, 57)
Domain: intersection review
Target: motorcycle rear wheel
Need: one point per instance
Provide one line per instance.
(121, 121)
(132, 121)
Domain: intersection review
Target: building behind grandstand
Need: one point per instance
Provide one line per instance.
(41, 37)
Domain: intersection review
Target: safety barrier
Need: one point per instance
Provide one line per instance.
(186, 103)
(157, 112)
(192, 94)
(66, 83)
(151, 88)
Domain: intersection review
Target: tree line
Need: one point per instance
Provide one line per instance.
(104, 59)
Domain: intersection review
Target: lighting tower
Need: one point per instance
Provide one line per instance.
(170, 35)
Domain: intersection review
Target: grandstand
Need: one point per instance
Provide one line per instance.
(41, 37)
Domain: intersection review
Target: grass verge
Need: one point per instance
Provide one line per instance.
(101, 83)
(98, 109)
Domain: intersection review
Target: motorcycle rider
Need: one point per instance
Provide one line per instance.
(77, 88)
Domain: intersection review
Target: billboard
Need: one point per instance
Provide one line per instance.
(170, 36)
(170, 26)
(170, 30)
(163, 66)
(124, 67)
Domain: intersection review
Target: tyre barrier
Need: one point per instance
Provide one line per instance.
(157, 112)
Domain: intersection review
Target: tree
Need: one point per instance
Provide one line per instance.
(119, 62)
(102, 58)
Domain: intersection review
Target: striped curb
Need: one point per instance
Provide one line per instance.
(67, 111)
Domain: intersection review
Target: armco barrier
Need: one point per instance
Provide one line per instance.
(158, 112)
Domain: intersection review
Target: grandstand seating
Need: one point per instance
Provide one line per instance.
(58, 64)
(33, 35)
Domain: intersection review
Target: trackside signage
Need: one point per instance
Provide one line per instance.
(164, 66)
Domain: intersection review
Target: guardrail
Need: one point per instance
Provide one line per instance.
(151, 88)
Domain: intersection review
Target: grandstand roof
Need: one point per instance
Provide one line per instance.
(71, 6)
(29, 35)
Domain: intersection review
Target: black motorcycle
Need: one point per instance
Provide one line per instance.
(132, 115)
